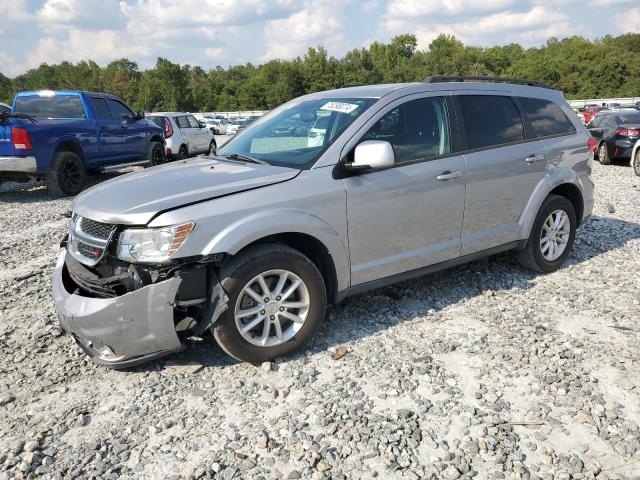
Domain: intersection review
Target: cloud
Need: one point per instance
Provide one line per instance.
(318, 23)
(85, 14)
(629, 21)
(528, 27)
(420, 8)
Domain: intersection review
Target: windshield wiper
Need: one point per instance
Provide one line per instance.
(4, 116)
(244, 158)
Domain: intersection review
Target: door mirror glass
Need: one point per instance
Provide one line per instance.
(372, 154)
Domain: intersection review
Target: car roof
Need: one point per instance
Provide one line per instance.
(46, 92)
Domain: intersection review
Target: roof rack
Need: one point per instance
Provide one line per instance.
(453, 78)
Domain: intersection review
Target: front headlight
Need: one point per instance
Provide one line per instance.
(152, 245)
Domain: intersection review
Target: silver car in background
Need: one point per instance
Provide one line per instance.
(253, 243)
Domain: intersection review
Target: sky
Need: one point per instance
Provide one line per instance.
(230, 32)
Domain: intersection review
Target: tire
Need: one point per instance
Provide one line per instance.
(157, 154)
(182, 152)
(241, 271)
(635, 163)
(68, 175)
(603, 154)
(533, 256)
(212, 147)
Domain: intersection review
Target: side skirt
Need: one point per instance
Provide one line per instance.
(419, 272)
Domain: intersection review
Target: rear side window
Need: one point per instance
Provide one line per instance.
(417, 130)
(628, 118)
(56, 106)
(102, 108)
(490, 120)
(546, 117)
(182, 122)
(120, 110)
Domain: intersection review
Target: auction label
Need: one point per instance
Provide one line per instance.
(339, 107)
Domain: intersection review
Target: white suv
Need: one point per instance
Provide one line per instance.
(185, 135)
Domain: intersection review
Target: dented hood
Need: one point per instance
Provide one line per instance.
(135, 198)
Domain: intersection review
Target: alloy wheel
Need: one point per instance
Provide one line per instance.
(555, 234)
(272, 307)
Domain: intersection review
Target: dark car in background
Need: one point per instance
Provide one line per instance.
(616, 133)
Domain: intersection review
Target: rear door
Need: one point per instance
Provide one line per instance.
(504, 165)
(109, 131)
(134, 133)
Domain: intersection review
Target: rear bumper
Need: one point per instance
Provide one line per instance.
(123, 331)
(18, 164)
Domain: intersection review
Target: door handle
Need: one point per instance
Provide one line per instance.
(534, 158)
(448, 175)
(124, 124)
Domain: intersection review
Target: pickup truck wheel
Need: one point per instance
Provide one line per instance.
(636, 163)
(552, 236)
(603, 154)
(182, 153)
(156, 154)
(212, 147)
(68, 175)
(277, 301)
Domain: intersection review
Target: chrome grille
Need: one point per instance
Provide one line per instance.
(88, 239)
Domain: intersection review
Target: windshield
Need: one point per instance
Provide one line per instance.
(296, 134)
(56, 106)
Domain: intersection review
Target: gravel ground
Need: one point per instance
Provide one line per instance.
(484, 371)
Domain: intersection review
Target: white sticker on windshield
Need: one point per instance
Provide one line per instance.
(339, 107)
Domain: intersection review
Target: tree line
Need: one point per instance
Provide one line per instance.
(581, 68)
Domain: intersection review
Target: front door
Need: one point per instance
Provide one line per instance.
(408, 216)
(134, 132)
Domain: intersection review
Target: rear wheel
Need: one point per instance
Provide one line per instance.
(603, 154)
(552, 236)
(276, 303)
(182, 153)
(68, 175)
(635, 162)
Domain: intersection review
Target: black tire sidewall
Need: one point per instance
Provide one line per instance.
(152, 147)
(212, 147)
(182, 153)
(225, 330)
(55, 179)
(550, 205)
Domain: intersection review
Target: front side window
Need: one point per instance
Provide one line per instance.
(193, 123)
(417, 130)
(490, 120)
(53, 106)
(297, 133)
(120, 110)
(546, 117)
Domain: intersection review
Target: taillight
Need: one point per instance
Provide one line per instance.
(21, 138)
(592, 144)
(168, 129)
(628, 132)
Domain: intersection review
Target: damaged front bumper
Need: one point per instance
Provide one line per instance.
(123, 331)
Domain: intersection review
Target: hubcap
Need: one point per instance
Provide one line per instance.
(71, 175)
(272, 308)
(555, 235)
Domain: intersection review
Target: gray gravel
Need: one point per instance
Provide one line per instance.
(483, 371)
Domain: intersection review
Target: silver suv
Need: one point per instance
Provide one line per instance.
(254, 242)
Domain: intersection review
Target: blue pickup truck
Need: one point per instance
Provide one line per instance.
(63, 136)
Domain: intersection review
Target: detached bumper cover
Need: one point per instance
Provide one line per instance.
(123, 331)
(18, 164)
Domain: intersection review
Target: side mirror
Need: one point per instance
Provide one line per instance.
(372, 154)
(139, 115)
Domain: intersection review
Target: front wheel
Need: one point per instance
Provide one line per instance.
(277, 301)
(552, 236)
(636, 163)
(212, 147)
(67, 176)
(603, 154)
(156, 154)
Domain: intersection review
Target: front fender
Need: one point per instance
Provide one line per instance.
(249, 229)
(554, 178)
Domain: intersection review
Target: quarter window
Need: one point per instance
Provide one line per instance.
(417, 130)
(546, 117)
(490, 120)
